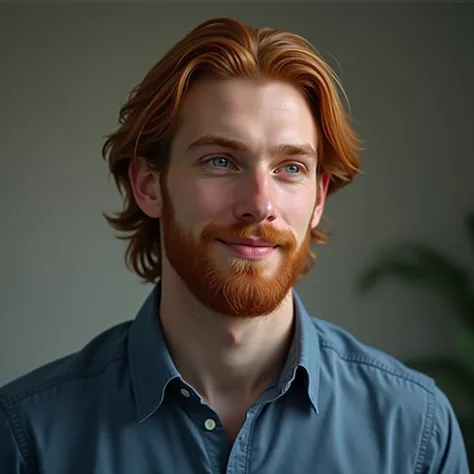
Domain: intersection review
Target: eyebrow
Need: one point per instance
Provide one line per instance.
(239, 145)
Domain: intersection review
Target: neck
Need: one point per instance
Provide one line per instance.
(222, 356)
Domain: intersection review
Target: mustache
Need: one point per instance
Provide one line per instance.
(242, 230)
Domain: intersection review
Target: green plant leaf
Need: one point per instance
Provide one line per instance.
(465, 347)
(390, 266)
(419, 263)
(470, 227)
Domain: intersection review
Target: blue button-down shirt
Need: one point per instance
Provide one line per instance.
(119, 406)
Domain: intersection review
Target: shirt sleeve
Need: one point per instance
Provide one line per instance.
(11, 458)
(446, 453)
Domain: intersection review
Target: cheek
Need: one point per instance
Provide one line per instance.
(204, 202)
(298, 212)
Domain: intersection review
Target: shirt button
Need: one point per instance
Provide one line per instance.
(209, 424)
(185, 393)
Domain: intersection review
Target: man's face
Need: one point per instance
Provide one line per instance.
(240, 196)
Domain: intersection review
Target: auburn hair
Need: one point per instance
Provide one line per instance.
(221, 48)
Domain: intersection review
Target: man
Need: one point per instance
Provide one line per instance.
(226, 153)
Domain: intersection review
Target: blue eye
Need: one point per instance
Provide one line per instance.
(292, 169)
(220, 162)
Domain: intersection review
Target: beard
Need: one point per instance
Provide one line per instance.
(243, 290)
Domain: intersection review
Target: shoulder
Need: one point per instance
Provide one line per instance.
(403, 403)
(340, 348)
(87, 364)
(57, 394)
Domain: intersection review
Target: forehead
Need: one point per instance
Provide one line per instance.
(261, 114)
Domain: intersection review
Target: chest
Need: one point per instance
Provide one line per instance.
(231, 417)
(281, 437)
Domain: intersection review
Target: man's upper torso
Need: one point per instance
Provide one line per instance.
(119, 406)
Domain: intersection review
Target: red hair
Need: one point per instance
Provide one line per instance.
(221, 48)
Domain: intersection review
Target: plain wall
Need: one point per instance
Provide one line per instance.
(65, 70)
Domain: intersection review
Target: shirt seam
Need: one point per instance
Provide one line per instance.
(17, 398)
(374, 363)
(426, 434)
(18, 434)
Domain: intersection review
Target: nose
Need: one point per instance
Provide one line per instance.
(256, 201)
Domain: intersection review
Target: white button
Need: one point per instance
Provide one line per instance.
(209, 424)
(185, 393)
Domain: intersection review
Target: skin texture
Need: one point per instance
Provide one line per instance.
(227, 310)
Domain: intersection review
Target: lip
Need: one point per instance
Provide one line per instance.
(249, 249)
(248, 242)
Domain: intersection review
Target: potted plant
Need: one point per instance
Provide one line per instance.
(420, 264)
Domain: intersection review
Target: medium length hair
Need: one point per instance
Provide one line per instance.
(222, 48)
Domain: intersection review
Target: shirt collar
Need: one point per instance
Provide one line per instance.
(304, 353)
(152, 368)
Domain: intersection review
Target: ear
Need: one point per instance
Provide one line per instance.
(322, 191)
(146, 187)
